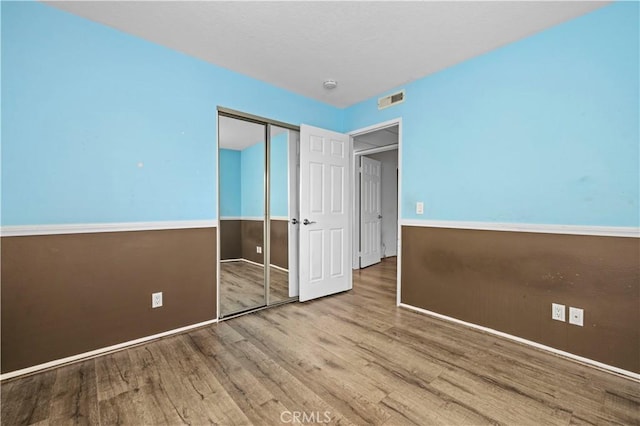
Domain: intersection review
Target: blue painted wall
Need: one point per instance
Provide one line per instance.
(83, 104)
(279, 201)
(544, 130)
(252, 174)
(242, 180)
(230, 187)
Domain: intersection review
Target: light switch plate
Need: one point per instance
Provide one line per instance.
(419, 207)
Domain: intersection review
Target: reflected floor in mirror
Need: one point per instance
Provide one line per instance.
(242, 286)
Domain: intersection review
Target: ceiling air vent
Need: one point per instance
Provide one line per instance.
(390, 100)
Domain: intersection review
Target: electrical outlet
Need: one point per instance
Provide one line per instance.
(156, 300)
(258, 249)
(576, 316)
(557, 312)
(419, 207)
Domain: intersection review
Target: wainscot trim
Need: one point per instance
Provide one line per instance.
(253, 218)
(90, 228)
(258, 218)
(604, 231)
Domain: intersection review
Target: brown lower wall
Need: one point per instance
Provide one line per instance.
(239, 238)
(507, 281)
(280, 243)
(252, 235)
(230, 239)
(63, 295)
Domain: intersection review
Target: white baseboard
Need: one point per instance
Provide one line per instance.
(590, 362)
(279, 268)
(252, 262)
(101, 351)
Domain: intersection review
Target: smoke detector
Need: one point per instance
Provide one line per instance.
(330, 84)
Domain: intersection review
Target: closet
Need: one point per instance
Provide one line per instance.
(258, 169)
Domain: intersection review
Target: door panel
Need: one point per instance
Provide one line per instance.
(283, 208)
(337, 193)
(337, 244)
(370, 212)
(324, 248)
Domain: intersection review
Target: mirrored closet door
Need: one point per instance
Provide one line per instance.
(258, 205)
(283, 214)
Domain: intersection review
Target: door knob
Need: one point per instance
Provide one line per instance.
(307, 222)
(294, 221)
(379, 216)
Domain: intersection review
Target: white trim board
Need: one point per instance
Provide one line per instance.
(253, 218)
(90, 228)
(590, 362)
(257, 218)
(377, 126)
(101, 351)
(605, 231)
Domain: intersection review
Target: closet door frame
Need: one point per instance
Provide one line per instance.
(266, 246)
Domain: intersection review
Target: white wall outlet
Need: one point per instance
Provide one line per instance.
(576, 316)
(557, 312)
(258, 249)
(419, 207)
(156, 300)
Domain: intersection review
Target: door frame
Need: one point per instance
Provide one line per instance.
(357, 197)
(354, 203)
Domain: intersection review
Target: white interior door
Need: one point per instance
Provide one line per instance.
(325, 237)
(370, 211)
(294, 213)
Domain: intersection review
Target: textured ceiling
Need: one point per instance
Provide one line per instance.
(368, 47)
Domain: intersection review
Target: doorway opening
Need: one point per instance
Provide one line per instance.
(375, 195)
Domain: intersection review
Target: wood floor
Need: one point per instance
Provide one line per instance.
(242, 286)
(353, 358)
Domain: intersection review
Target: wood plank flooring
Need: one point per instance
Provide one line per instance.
(352, 358)
(242, 286)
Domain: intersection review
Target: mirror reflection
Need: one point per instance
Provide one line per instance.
(256, 159)
(242, 210)
(283, 232)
